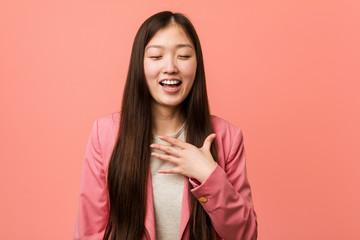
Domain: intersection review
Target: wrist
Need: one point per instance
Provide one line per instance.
(208, 172)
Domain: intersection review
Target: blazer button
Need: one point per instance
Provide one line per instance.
(203, 199)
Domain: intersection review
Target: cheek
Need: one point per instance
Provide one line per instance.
(190, 69)
(150, 71)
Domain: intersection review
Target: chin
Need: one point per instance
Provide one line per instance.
(173, 104)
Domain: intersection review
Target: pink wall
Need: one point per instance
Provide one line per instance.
(286, 72)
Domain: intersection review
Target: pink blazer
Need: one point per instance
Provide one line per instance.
(225, 194)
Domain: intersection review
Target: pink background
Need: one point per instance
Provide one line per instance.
(285, 72)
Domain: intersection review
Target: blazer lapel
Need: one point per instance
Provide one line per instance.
(185, 208)
(150, 215)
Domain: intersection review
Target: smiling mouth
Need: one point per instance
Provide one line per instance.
(170, 83)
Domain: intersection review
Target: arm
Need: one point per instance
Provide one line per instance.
(223, 188)
(93, 203)
(226, 196)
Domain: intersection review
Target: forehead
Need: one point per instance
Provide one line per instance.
(170, 36)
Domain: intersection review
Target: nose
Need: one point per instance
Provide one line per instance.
(170, 66)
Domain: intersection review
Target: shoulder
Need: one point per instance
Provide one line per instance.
(106, 130)
(224, 128)
(229, 139)
(109, 120)
(108, 125)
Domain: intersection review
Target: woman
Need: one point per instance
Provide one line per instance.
(157, 170)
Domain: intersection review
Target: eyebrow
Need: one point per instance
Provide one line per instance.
(177, 46)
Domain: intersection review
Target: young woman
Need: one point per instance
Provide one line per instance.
(164, 168)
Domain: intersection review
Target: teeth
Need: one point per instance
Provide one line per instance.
(170, 82)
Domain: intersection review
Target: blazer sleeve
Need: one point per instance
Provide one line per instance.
(93, 200)
(226, 196)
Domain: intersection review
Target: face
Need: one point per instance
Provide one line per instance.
(169, 66)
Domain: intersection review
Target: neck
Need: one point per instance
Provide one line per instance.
(166, 121)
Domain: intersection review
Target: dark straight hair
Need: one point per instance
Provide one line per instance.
(130, 160)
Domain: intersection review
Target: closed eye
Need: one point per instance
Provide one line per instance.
(155, 57)
(184, 56)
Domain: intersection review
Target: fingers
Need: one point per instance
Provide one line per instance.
(170, 170)
(174, 141)
(167, 149)
(167, 158)
(164, 157)
(208, 141)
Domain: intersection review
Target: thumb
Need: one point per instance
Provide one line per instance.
(208, 141)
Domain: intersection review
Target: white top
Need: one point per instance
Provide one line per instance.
(167, 194)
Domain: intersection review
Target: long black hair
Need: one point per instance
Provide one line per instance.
(130, 160)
